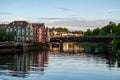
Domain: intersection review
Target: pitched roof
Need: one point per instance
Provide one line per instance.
(18, 23)
(3, 25)
(23, 24)
(38, 24)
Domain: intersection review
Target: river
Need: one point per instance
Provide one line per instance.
(56, 65)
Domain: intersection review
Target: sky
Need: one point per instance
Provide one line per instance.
(72, 14)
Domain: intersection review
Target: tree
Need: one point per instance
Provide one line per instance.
(60, 29)
(88, 32)
(6, 36)
(10, 36)
(117, 30)
(78, 32)
(2, 35)
(96, 31)
(106, 29)
(102, 32)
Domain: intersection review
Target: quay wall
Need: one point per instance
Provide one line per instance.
(21, 47)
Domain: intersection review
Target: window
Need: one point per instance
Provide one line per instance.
(26, 33)
(31, 33)
(27, 29)
(23, 30)
(18, 30)
(7, 29)
(10, 29)
(27, 38)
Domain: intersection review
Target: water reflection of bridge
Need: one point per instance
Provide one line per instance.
(66, 47)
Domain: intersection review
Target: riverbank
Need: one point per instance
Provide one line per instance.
(12, 47)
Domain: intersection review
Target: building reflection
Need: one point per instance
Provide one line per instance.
(24, 63)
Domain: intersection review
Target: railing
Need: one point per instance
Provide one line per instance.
(7, 43)
(85, 36)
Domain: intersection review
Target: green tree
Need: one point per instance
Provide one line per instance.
(6, 36)
(117, 30)
(96, 31)
(88, 32)
(78, 32)
(102, 32)
(60, 29)
(2, 35)
(106, 29)
(10, 36)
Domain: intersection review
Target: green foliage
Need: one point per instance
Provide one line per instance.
(117, 30)
(88, 32)
(102, 32)
(115, 43)
(77, 32)
(60, 29)
(96, 31)
(6, 36)
(106, 29)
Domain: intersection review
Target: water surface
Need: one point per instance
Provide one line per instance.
(57, 66)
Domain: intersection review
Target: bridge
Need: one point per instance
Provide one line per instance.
(58, 41)
(83, 38)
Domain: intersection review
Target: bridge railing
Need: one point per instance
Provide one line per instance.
(85, 36)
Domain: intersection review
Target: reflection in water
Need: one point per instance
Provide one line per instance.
(112, 61)
(58, 66)
(23, 64)
(86, 47)
(66, 47)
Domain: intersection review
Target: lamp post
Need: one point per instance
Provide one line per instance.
(110, 39)
(110, 36)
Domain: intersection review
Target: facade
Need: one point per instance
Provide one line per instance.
(39, 32)
(47, 35)
(3, 26)
(24, 31)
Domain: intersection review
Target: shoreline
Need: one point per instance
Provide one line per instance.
(21, 47)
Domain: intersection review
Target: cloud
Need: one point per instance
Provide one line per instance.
(72, 23)
(77, 24)
(49, 18)
(56, 18)
(5, 13)
(65, 9)
(114, 10)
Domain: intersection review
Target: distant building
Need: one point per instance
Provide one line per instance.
(64, 34)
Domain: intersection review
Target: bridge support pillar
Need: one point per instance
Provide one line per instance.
(61, 45)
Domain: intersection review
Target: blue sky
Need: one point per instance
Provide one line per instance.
(59, 10)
